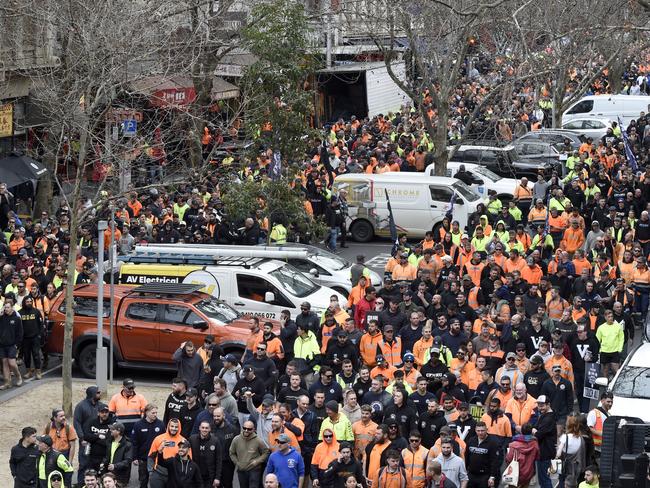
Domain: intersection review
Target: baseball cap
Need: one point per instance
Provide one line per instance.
(230, 358)
(128, 383)
(283, 438)
(102, 407)
(388, 327)
(520, 346)
(45, 439)
(467, 277)
(268, 401)
(408, 357)
(542, 399)
(536, 360)
(247, 369)
(379, 358)
(191, 392)
(435, 348)
(511, 355)
(184, 443)
(407, 293)
(398, 374)
(463, 406)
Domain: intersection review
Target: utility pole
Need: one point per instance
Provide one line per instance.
(101, 361)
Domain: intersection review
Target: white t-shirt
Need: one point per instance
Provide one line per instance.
(572, 447)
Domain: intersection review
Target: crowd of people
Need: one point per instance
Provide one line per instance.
(470, 355)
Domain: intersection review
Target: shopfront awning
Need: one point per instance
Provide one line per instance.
(166, 91)
(222, 90)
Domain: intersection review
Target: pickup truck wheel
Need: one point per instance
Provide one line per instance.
(362, 231)
(86, 362)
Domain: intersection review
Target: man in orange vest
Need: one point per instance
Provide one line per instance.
(596, 418)
(414, 459)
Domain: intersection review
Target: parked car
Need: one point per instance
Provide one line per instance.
(484, 179)
(594, 128)
(538, 151)
(502, 160)
(151, 321)
(631, 385)
(627, 107)
(554, 136)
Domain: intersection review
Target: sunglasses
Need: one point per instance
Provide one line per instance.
(505, 384)
(408, 360)
(510, 359)
(247, 429)
(261, 348)
(282, 442)
(213, 404)
(329, 376)
(414, 440)
(328, 436)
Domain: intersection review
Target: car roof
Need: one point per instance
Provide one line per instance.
(641, 357)
(395, 177)
(487, 148)
(122, 291)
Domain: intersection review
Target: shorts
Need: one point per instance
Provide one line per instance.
(8, 352)
(610, 357)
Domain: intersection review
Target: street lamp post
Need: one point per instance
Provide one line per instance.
(101, 360)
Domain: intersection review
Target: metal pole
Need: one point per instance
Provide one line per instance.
(112, 290)
(101, 356)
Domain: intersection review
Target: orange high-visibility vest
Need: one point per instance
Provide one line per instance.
(597, 435)
(415, 464)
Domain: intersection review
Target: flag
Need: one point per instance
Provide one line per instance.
(276, 166)
(391, 225)
(547, 227)
(631, 158)
(450, 213)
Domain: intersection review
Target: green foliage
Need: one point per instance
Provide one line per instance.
(277, 85)
(283, 205)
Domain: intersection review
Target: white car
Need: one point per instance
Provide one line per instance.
(486, 179)
(631, 385)
(594, 128)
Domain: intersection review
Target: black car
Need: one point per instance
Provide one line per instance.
(557, 137)
(504, 161)
(538, 151)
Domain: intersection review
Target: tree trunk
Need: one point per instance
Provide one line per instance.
(69, 289)
(440, 154)
(615, 75)
(44, 189)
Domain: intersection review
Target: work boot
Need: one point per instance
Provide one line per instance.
(19, 380)
(39, 374)
(5, 386)
(29, 373)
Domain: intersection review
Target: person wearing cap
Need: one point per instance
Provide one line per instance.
(51, 461)
(404, 270)
(22, 461)
(339, 350)
(558, 357)
(127, 405)
(119, 454)
(248, 383)
(510, 370)
(96, 432)
(559, 392)
(546, 433)
(344, 467)
(286, 463)
(230, 372)
(181, 469)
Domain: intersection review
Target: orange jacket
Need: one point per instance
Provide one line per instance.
(368, 348)
(572, 240)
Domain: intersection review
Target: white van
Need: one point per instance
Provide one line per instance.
(611, 107)
(319, 265)
(255, 286)
(419, 202)
(485, 179)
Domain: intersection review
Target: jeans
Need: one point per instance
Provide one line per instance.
(32, 350)
(641, 302)
(543, 478)
(252, 478)
(143, 474)
(334, 234)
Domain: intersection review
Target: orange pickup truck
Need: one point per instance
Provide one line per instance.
(151, 321)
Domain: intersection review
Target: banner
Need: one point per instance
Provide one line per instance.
(6, 120)
(592, 372)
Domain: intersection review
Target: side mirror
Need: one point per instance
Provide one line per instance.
(200, 324)
(602, 381)
(269, 297)
(313, 272)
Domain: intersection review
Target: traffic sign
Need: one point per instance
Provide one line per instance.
(130, 127)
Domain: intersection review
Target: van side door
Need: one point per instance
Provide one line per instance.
(251, 292)
(439, 203)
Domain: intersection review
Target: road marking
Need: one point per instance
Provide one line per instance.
(379, 261)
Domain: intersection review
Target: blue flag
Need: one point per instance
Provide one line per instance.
(631, 158)
(452, 201)
(547, 227)
(391, 225)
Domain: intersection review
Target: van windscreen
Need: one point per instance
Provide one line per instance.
(582, 107)
(294, 281)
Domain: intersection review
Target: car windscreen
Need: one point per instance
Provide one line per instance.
(328, 261)
(483, 171)
(218, 310)
(633, 382)
(465, 191)
(294, 281)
